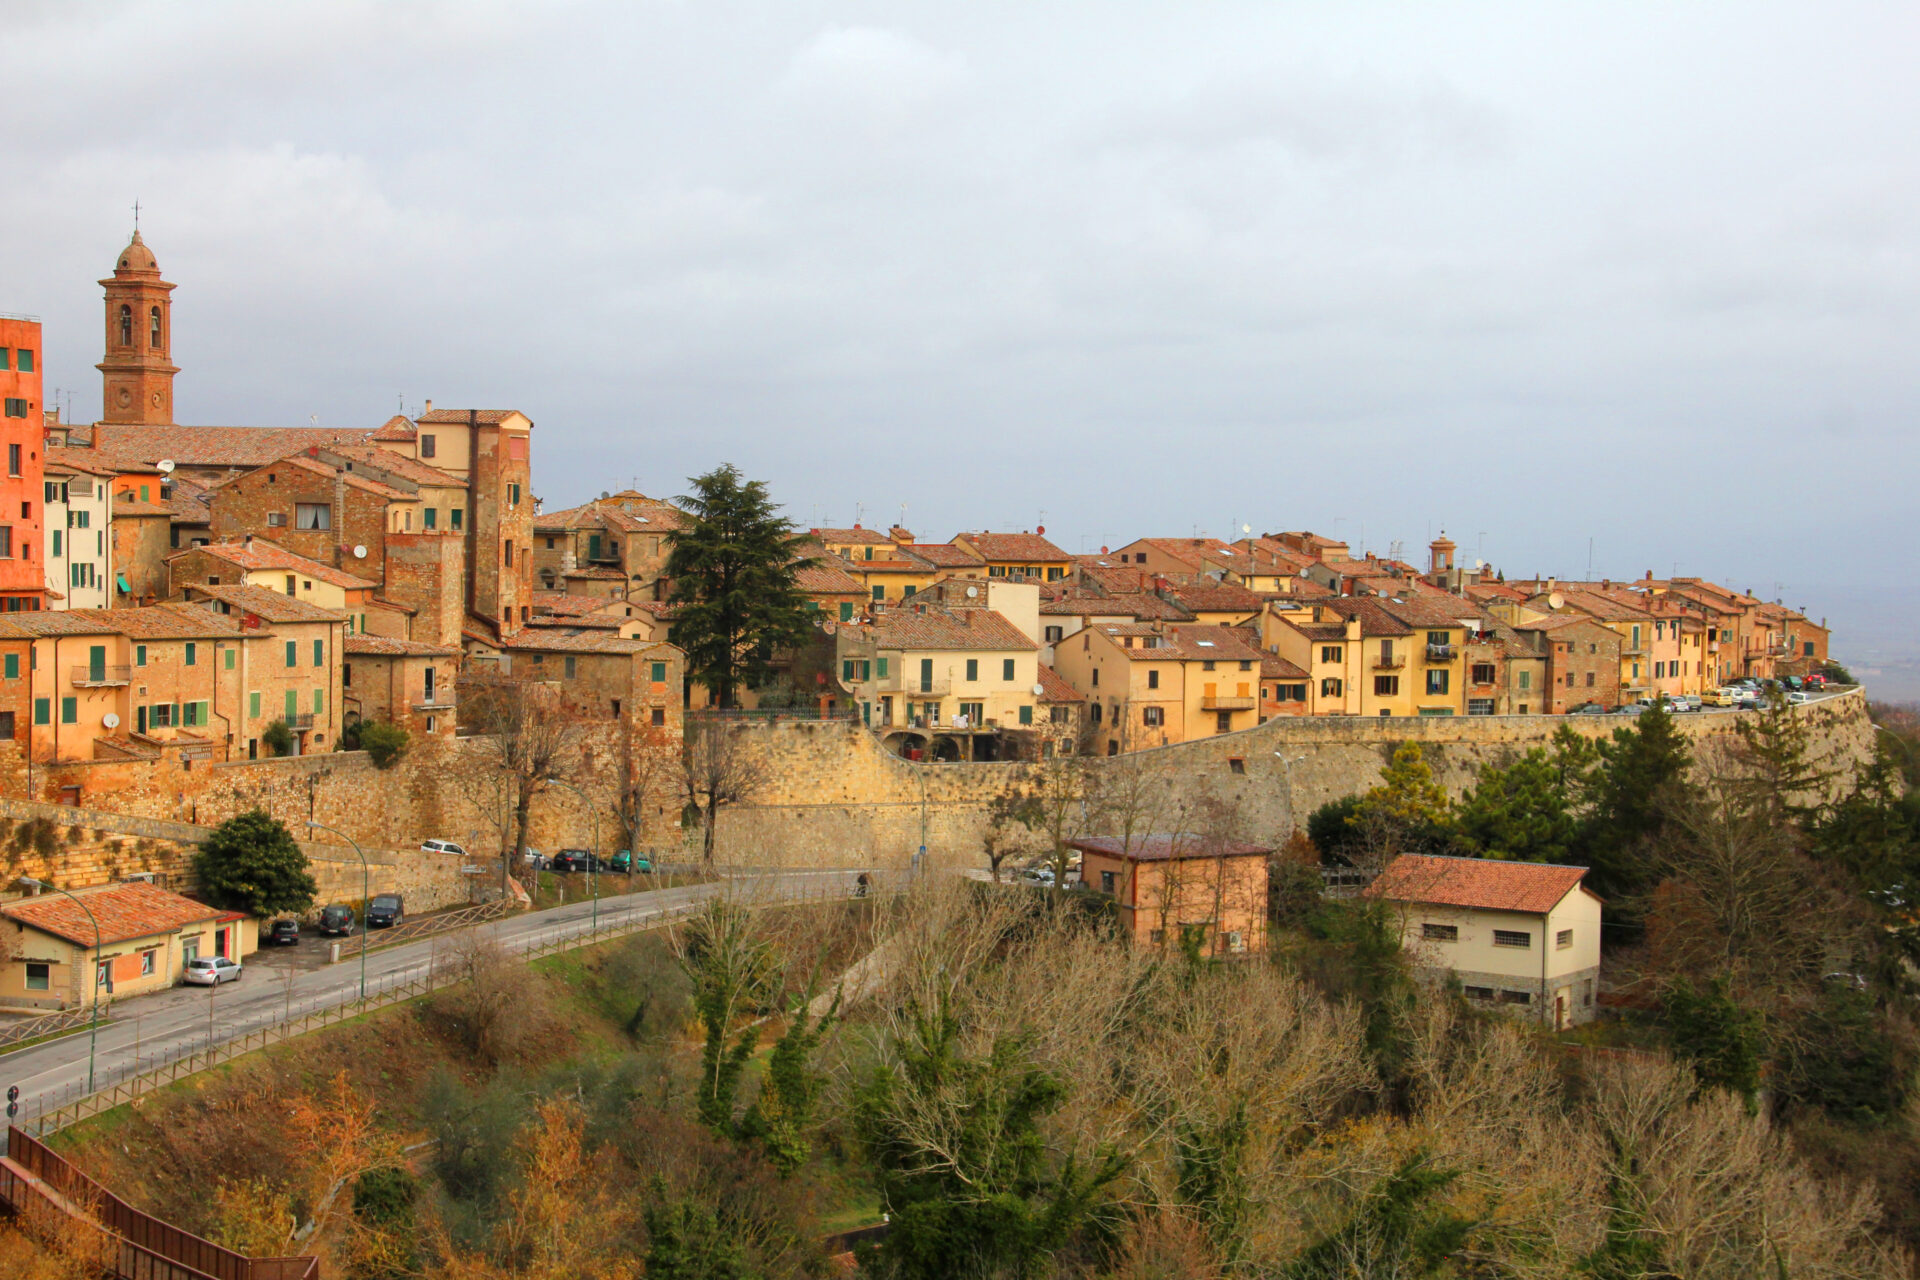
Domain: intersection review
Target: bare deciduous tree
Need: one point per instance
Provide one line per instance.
(718, 767)
(524, 735)
(649, 776)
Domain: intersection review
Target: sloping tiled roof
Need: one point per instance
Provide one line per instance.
(870, 537)
(155, 622)
(1164, 846)
(580, 641)
(1186, 644)
(1055, 689)
(1488, 884)
(1014, 546)
(274, 606)
(299, 460)
(460, 417)
(188, 498)
(945, 555)
(398, 464)
(1374, 620)
(1214, 597)
(397, 428)
(1145, 608)
(393, 647)
(559, 604)
(135, 909)
(80, 460)
(825, 577)
(215, 446)
(1275, 668)
(262, 554)
(947, 629)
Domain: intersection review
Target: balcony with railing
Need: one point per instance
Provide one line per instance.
(1228, 702)
(1440, 653)
(439, 700)
(912, 686)
(91, 677)
(1389, 661)
(299, 720)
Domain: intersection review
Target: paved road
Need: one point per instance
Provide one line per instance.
(147, 1030)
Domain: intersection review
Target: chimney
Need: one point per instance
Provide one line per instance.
(429, 408)
(249, 542)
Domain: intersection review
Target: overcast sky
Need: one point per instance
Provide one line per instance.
(1536, 274)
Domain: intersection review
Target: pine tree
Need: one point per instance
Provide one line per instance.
(1523, 812)
(733, 568)
(1642, 779)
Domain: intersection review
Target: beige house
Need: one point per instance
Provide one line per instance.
(1148, 686)
(1523, 936)
(943, 681)
(146, 936)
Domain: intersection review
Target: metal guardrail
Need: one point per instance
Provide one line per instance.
(50, 1112)
(428, 926)
(13, 1033)
(87, 677)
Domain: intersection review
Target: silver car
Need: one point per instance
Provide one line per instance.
(211, 971)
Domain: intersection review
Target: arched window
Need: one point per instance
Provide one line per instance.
(153, 328)
(126, 326)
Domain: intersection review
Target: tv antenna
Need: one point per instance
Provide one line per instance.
(136, 217)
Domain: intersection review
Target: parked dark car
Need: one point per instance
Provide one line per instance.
(577, 860)
(336, 919)
(384, 911)
(1586, 709)
(627, 862)
(283, 933)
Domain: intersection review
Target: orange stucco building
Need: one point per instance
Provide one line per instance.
(1174, 886)
(22, 582)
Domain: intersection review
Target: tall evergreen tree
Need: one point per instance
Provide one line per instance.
(1641, 782)
(1520, 812)
(733, 567)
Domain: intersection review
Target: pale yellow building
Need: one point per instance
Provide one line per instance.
(940, 680)
(55, 958)
(1519, 936)
(1148, 686)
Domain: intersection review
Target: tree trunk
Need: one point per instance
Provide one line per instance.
(712, 815)
(523, 817)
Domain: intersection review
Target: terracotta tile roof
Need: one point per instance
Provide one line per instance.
(188, 498)
(1184, 644)
(397, 464)
(155, 622)
(622, 513)
(597, 621)
(580, 641)
(559, 604)
(1196, 553)
(301, 461)
(1165, 846)
(215, 446)
(395, 429)
(945, 555)
(1055, 689)
(393, 647)
(596, 574)
(77, 461)
(274, 606)
(1214, 597)
(904, 564)
(825, 577)
(135, 909)
(1424, 611)
(262, 554)
(1487, 884)
(1374, 620)
(1602, 606)
(1274, 668)
(125, 507)
(909, 628)
(1014, 547)
(460, 417)
(867, 537)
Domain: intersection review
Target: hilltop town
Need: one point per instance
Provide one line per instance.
(1355, 876)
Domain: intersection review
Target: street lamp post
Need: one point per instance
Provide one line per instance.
(93, 1026)
(366, 895)
(593, 854)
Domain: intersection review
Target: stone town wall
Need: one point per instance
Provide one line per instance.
(95, 846)
(835, 797)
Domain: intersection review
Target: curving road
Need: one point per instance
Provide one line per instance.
(149, 1030)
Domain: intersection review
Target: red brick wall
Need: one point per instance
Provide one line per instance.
(427, 572)
(241, 506)
(21, 574)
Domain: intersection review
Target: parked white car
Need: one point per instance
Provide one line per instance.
(211, 971)
(441, 846)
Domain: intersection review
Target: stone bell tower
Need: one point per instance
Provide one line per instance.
(136, 375)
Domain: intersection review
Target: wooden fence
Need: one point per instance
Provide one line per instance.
(34, 1176)
(19, 1031)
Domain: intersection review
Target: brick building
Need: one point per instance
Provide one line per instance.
(140, 537)
(602, 676)
(22, 514)
(1582, 659)
(615, 546)
(401, 682)
(136, 371)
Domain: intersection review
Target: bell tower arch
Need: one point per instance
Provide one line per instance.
(137, 372)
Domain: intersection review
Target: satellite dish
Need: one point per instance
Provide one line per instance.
(1039, 689)
(1555, 600)
(164, 466)
(111, 720)
(359, 553)
(972, 592)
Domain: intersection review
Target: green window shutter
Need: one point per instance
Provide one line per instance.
(846, 670)
(97, 661)
(139, 655)
(13, 666)
(659, 673)
(593, 546)
(1026, 715)
(909, 590)
(319, 653)
(846, 611)
(869, 553)
(973, 670)
(253, 704)
(3, 358)
(143, 494)
(293, 653)
(140, 717)
(866, 670)
(229, 657)
(881, 665)
(56, 542)
(453, 517)
(319, 702)
(188, 713)
(69, 710)
(293, 704)
(40, 706)
(26, 360)
(1006, 668)
(428, 518)
(193, 652)
(880, 592)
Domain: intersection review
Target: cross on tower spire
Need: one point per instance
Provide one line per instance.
(136, 215)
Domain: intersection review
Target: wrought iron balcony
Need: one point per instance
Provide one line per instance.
(1389, 662)
(101, 677)
(1228, 702)
(1439, 653)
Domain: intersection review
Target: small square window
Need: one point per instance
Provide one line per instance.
(1440, 932)
(1563, 939)
(1512, 938)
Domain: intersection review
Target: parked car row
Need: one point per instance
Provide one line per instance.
(625, 862)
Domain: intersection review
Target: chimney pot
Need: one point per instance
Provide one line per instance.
(429, 408)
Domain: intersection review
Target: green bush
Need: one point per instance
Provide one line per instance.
(1841, 1059)
(1719, 1037)
(278, 737)
(383, 743)
(251, 863)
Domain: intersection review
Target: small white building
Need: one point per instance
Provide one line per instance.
(79, 533)
(1524, 936)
